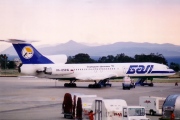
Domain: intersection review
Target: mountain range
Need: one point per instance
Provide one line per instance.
(72, 48)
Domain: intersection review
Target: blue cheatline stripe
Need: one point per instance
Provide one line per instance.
(162, 72)
(34, 57)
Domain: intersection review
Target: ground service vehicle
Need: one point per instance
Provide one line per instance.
(134, 113)
(152, 104)
(171, 104)
(117, 109)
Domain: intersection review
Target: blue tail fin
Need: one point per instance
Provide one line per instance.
(29, 55)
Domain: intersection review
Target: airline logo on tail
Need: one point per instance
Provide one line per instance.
(27, 52)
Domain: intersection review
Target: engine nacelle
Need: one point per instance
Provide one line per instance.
(57, 71)
(28, 69)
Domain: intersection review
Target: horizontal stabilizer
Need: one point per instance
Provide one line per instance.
(18, 41)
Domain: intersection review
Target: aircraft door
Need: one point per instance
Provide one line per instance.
(124, 70)
(98, 109)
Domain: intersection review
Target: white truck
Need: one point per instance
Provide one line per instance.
(134, 113)
(128, 83)
(117, 109)
(152, 104)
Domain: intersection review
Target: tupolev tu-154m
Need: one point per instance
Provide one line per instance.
(55, 67)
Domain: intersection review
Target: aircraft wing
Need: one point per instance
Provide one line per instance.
(96, 76)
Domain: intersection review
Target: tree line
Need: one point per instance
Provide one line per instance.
(119, 58)
(5, 63)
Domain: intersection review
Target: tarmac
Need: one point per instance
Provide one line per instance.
(41, 99)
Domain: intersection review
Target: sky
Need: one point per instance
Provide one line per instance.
(90, 21)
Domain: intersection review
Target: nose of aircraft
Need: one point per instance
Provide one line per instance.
(172, 71)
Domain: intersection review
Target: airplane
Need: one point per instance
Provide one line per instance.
(55, 67)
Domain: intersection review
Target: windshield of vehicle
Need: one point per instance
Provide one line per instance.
(136, 111)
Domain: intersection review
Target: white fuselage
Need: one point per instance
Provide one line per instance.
(98, 71)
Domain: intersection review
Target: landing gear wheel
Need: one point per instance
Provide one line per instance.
(73, 84)
(89, 86)
(152, 113)
(94, 86)
(69, 84)
(66, 84)
(151, 85)
(98, 86)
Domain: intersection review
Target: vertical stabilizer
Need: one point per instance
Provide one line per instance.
(29, 55)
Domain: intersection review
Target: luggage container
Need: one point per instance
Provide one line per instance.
(171, 104)
(152, 104)
(117, 109)
(68, 105)
(75, 104)
(85, 106)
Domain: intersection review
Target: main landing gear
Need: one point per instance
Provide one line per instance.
(143, 82)
(101, 83)
(71, 84)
